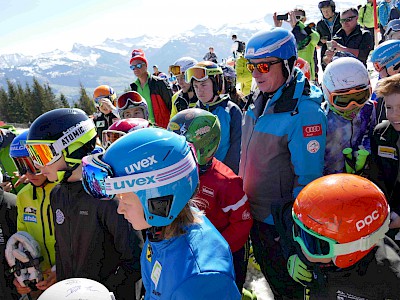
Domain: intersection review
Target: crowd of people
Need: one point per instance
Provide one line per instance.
(163, 191)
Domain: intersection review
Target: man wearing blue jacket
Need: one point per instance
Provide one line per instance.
(282, 150)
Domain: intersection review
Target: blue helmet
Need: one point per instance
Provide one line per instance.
(387, 55)
(17, 147)
(161, 160)
(277, 42)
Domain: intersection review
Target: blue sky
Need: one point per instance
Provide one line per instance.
(36, 26)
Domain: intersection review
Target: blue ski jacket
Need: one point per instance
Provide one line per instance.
(230, 118)
(282, 146)
(197, 265)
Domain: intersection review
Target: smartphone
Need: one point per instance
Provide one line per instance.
(329, 45)
(284, 17)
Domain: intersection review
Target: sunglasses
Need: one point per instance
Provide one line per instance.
(344, 99)
(200, 73)
(24, 165)
(176, 70)
(98, 177)
(348, 19)
(318, 246)
(44, 153)
(262, 67)
(110, 136)
(139, 66)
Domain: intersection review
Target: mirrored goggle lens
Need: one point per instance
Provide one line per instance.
(344, 100)
(110, 136)
(24, 165)
(42, 154)
(313, 245)
(93, 179)
(176, 70)
(200, 74)
(124, 100)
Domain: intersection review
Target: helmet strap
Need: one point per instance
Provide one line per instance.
(155, 234)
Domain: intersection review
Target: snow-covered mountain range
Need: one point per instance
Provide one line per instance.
(108, 62)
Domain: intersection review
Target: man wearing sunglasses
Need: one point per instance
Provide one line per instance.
(283, 145)
(34, 212)
(342, 251)
(350, 114)
(93, 241)
(351, 38)
(155, 90)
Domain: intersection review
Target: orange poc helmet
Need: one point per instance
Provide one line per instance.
(340, 216)
(105, 91)
(303, 65)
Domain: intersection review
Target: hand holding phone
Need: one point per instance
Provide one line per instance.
(284, 17)
(329, 45)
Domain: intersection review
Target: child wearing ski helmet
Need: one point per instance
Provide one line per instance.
(34, 211)
(122, 127)
(207, 80)
(132, 105)
(386, 61)
(220, 192)
(185, 97)
(351, 116)
(283, 146)
(104, 98)
(385, 149)
(92, 239)
(184, 257)
(340, 221)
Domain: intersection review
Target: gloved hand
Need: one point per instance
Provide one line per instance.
(298, 270)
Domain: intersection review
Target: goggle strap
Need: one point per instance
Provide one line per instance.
(76, 131)
(364, 243)
(151, 179)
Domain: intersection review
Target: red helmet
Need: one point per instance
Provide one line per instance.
(303, 65)
(340, 216)
(132, 99)
(104, 91)
(120, 128)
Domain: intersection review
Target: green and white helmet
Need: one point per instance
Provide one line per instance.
(201, 128)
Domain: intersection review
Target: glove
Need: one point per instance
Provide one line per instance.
(298, 270)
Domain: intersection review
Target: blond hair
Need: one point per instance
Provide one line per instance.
(189, 215)
(387, 86)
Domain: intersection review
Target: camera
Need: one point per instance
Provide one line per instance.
(284, 17)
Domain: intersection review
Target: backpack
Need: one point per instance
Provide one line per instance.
(241, 46)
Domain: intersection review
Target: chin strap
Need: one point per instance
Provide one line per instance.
(69, 171)
(154, 234)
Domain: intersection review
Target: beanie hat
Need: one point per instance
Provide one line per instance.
(138, 54)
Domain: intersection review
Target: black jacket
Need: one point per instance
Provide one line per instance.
(327, 33)
(385, 163)
(358, 39)
(375, 276)
(8, 226)
(93, 241)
